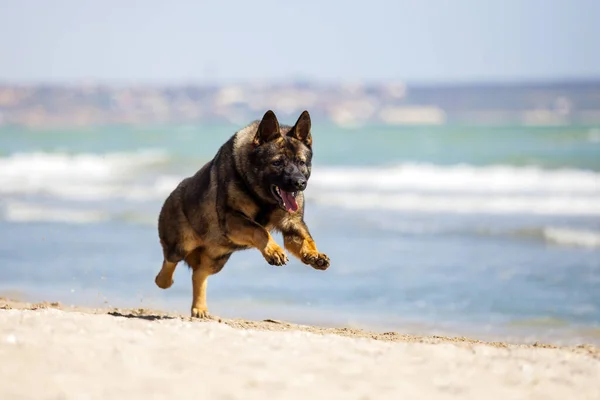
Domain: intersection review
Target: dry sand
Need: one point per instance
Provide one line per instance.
(52, 352)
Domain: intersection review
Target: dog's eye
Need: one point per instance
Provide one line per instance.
(301, 163)
(276, 163)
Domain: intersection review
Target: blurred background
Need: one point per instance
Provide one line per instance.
(456, 176)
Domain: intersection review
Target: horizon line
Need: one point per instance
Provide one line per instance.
(317, 82)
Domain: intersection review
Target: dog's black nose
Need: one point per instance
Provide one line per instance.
(301, 184)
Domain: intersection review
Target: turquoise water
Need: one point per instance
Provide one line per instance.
(471, 230)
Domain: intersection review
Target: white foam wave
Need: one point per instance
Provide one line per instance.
(81, 176)
(459, 189)
(557, 235)
(572, 237)
(148, 176)
(415, 202)
(18, 212)
(457, 178)
(86, 165)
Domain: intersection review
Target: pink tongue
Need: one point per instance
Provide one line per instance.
(289, 201)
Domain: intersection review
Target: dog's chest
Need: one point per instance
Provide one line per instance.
(265, 216)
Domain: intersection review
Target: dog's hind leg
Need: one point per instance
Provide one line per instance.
(203, 265)
(164, 279)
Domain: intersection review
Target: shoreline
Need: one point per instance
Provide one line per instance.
(542, 329)
(283, 326)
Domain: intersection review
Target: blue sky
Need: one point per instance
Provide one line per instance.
(191, 41)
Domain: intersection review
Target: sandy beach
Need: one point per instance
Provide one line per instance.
(49, 351)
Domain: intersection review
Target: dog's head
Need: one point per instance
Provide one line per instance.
(281, 158)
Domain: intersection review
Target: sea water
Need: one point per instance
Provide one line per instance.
(482, 231)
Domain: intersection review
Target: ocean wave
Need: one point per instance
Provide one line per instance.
(37, 165)
(17, 211)
(555, 235)
(571, 237)
(459, 189)
(457, 178)
(86, 176)
(21, 212)
(150, 175)
(465, 204)
(568, 236)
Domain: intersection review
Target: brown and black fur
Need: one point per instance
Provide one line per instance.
(228, 205)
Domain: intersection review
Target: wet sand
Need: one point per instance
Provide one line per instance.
(62, 352)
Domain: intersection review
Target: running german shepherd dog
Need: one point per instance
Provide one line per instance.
(252, 186)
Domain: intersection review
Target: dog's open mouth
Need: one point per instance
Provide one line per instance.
(287, 200)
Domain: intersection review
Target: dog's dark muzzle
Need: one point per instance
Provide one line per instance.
(295, 183)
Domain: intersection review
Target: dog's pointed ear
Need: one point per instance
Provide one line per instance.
(268, 129)
(301, 129)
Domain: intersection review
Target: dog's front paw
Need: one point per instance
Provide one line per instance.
(275, 255)
(316, 260)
